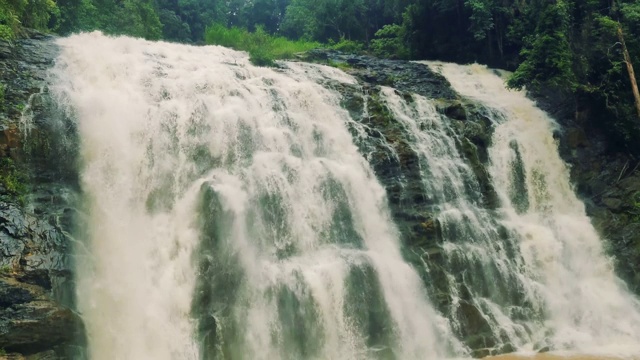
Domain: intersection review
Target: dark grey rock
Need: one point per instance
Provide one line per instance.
(402, 75)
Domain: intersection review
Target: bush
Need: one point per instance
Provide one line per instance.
(389, 43)
(12, 179)
(9, 21)
(262, 47)
(348, 46)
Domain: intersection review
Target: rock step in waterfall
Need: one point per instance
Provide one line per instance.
(229, 214)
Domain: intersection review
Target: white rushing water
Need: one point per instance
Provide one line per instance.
(180, 144)
(587, 309)
(228, 215)
(478, 261)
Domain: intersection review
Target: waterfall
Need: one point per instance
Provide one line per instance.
(481, 266)
(228, 214)
(560, 265)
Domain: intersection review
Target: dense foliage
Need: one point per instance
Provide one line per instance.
(263, 48)
(570, 46)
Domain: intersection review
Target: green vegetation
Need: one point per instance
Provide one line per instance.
(5, 269)
(389, 42)
(28, 13)
(2, 92)
(12, 179)
(574, 47)
(263, 48)
(340, 65)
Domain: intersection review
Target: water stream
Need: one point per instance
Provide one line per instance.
(228, 214)
(585, 307)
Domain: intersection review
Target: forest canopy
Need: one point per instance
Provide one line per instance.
(572, 46)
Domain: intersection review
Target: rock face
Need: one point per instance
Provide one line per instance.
(36, 282)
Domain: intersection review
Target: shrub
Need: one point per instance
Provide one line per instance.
(262, 47)
(348, 46)
(11, 178)
(389, 42)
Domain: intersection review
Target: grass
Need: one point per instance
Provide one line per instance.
(263, 48)
(339, 65)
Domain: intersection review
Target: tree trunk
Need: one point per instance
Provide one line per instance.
(632, 75)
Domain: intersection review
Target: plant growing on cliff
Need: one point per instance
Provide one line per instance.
(2, 89)
(12, 179)
(346, 45)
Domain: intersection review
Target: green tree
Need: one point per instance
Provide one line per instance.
(75, 16)
(390, 42)
(173, 28)
(322, 20)
(28, 13)
(547, 55)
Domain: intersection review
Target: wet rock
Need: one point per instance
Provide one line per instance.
(11, 293)
(6, 49)
(30, 321)
(402, 75)
(454, 110)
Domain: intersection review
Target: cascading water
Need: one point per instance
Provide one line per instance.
(563, 270)
(481, 264)
(229, 215)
